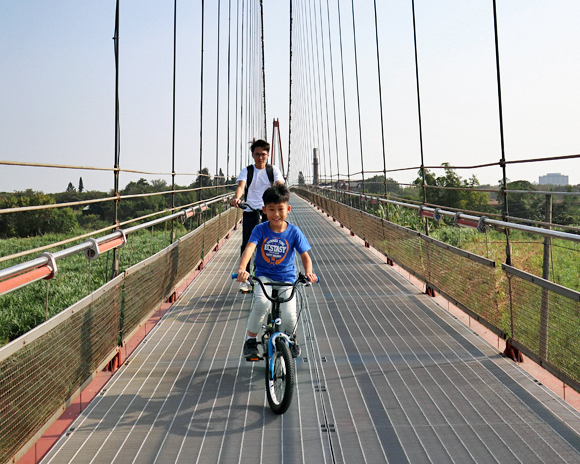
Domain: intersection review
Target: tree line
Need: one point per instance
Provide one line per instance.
(450, 190)
(102, 214)
(455, 193)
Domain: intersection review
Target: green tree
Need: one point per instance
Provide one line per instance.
(203, 178)
(219, 179)
(36, 222)
(566, 209)
(130, 208)
(524, 205)
(81, 186)
(376, 185)
(71, 187)
(455, 193)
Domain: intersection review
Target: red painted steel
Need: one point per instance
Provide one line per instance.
(12, 283)
(117, 242)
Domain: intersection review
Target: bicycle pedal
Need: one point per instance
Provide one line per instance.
(254, 359)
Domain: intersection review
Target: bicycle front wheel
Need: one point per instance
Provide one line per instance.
(280, 381)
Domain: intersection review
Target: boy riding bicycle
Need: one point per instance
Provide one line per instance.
(277, 241)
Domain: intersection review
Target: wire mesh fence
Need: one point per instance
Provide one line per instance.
(543, 319)
(537, 316)
(39, 374)
(42, 370)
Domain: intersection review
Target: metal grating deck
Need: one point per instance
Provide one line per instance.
(386, 376)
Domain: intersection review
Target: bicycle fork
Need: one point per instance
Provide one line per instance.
(277, 333)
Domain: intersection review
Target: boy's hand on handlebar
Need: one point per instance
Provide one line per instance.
(243, 275)
(235, 202)
(312, 277)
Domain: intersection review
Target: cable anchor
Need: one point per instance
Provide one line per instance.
(93, 252)
(51, 264)
(481, 225)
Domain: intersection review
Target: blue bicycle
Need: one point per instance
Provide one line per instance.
(280, 370)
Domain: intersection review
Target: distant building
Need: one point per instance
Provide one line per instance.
(554, 179)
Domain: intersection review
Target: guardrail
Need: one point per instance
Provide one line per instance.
(535, 316)
(42, 371)
(461, 219)
(45, 266)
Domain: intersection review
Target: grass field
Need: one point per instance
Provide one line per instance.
(25, 308)
(527, 249)
(527, 252)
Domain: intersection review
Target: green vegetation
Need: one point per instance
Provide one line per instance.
(449, 195)
(95, 216)
(527, 249)
(25, 308)
(455, 193)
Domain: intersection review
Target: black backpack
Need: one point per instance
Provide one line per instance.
(269, 171)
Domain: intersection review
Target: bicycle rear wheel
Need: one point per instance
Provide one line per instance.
(280, 382)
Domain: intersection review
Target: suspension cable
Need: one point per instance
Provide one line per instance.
(263, 67)
(501, 135)
(290, 96)
(173, 126)
(325, 95)
(201, 89)
(358, 96)
(343, 94)
(229, 87)
(217, 116)
(333, 91)
(117, 134)
(419, 102)
(380, 98)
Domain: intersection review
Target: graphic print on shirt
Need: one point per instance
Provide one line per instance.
(274, 250)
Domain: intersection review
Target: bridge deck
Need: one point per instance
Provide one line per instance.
(386, 375)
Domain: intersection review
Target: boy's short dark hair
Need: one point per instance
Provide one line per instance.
(259, 144)
(279, 193)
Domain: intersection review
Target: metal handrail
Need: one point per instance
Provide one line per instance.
(478, 221)
(45, 258)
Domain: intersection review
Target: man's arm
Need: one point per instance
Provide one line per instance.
(239, 193)
(243, 275)
(278, 176)
(307, 263)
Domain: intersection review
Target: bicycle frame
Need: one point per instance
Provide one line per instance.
(272, 330)
(280, 370)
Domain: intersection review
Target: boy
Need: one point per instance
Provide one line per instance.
(277, 240)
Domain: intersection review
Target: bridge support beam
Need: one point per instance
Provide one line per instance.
(512, 352)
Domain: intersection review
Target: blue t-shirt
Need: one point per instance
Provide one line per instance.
(275, 252)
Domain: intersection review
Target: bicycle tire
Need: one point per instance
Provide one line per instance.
(280, 385)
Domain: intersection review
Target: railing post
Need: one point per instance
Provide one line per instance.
(545, 311)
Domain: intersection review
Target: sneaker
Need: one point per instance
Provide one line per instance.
(295, 349)
(251, 349)
(245, 287)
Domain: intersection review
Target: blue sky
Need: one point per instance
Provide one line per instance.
(57, 86)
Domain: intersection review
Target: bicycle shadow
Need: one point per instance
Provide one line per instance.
(205, 403)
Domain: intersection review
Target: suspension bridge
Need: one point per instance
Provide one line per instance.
(412, 346)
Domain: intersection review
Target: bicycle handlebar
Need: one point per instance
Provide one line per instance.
(243, 204)
(302, 279)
